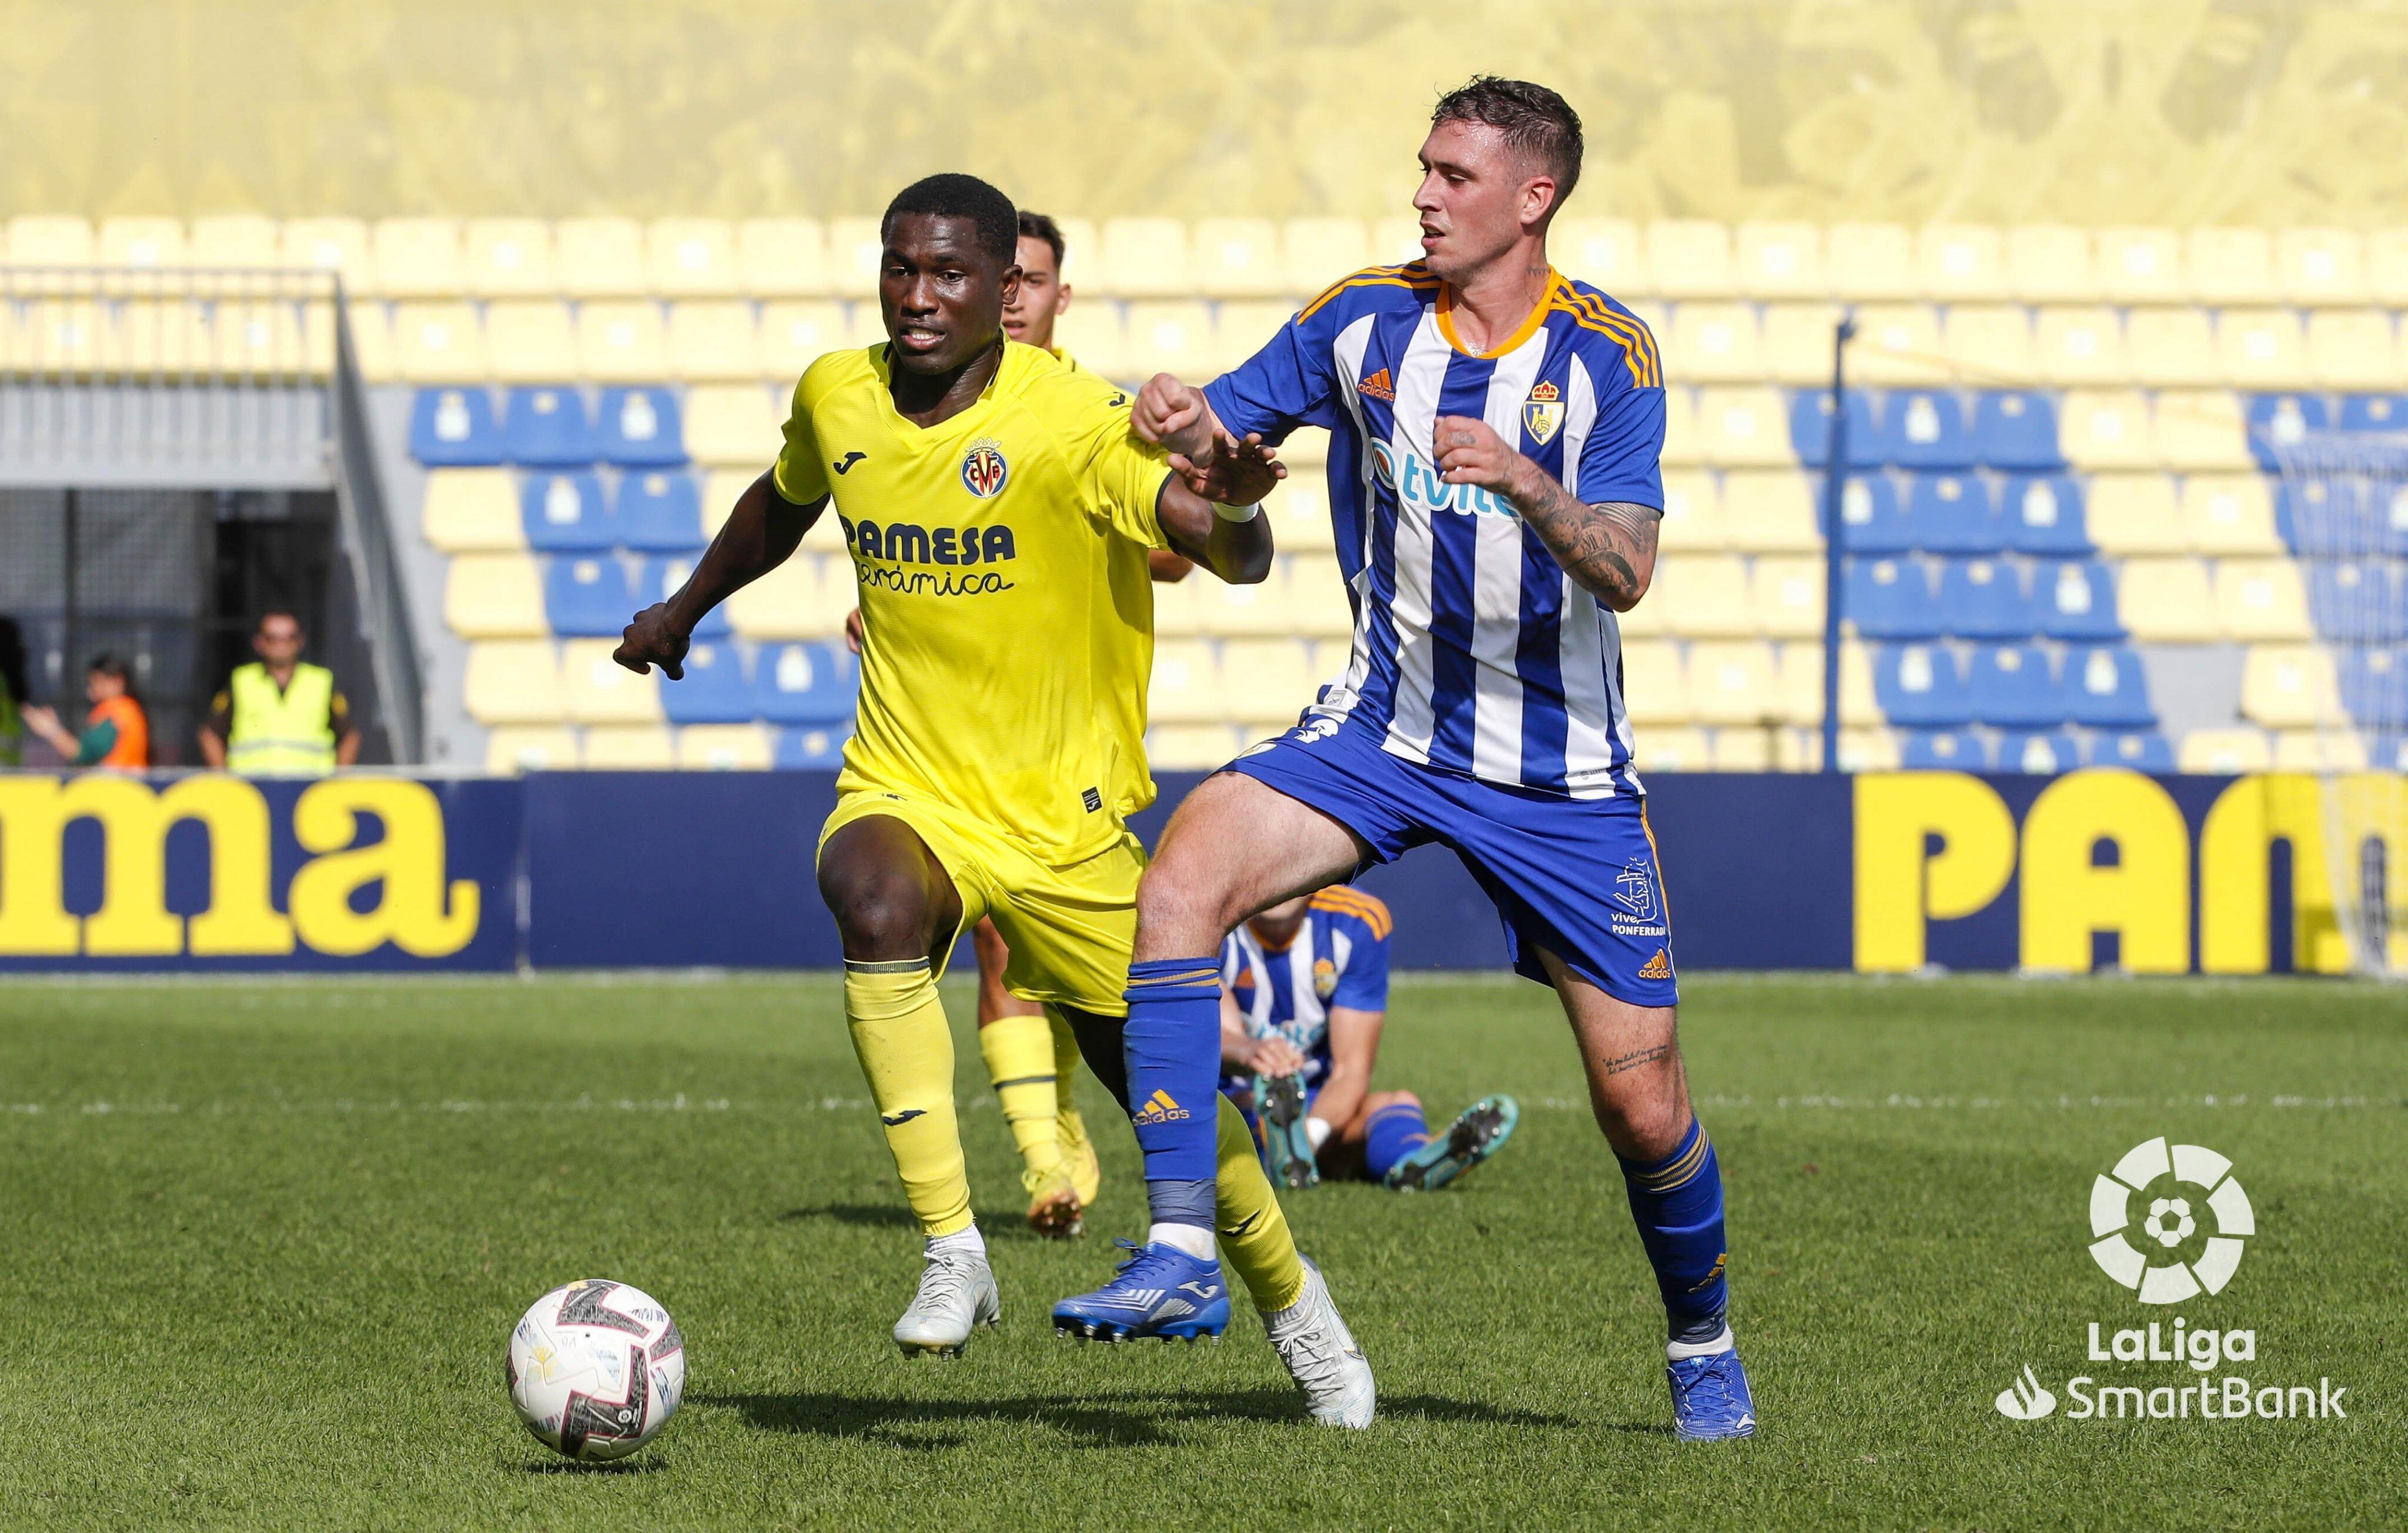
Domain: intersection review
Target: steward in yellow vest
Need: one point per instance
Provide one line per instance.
(280, 717)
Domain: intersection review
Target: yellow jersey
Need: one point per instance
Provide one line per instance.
(1007, 613)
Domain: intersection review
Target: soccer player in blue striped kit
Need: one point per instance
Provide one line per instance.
(1494, 434)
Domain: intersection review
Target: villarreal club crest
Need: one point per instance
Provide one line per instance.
(1542, 413)
(984, 468)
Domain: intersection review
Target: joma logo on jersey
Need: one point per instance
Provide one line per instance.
(907, 543)
(984, 468)
(1417, 484)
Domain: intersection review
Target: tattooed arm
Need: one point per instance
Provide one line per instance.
(1609, 548)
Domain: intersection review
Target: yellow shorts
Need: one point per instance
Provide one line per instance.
(1071, 928)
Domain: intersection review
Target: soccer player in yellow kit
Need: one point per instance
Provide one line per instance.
(998, 510)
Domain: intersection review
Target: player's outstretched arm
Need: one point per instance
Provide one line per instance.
(1609, 548)
(1196, 505)
(1175, 415)
(762, 532)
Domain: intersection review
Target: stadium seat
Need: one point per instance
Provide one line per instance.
(1655, 681)
(530, 340)
(1394, 240)
(1673, 749)
(565, 513)
(2108, 428)
(630, 747)
(2357, 600)
(1872, 514)
(715, 689)
(227, 241)
(1316, 594)
(372, 342)
(1186, 685)
(714, 341)
(792, 601)
(2258, 599)
(1924, 428)
(2013, 687)
(1223, 610)
(586, 597)
(1772, 510)
(1921, 685)
(1243, 326)
(1299, 509)
(2106, 688)
(1785, 596)
(2352, 348)
(438, 343)
(51, 239)
(2136, 513)
(2373, 684)
(1743, 748)
(732, 424)
(2374, 411)
(782, 258)
(2228, 514)
(1693, 515)
(2139, 750)
(270, 336)
(1781, 261)
(729, 747)
(599, 690)
(658, 578)
(1687, 258)
(2276, 421)
(1193, 747)
(1794, 342)
(2167, 601)
(471, 511)
(493, 596)
(515, 749)
(1606, 253)
(547, 427)
(1871, 260)
(805, 684)
(1954, 513)
(2230, 265)
(1943, 750)
(2037, 752)
(1170, 337)
(2171, 347)
(509, 258)
(2223, 753)
(1890, 599)
(2042, 513)
(147, 242)
(2139, 266)
(623, 341)
(601, 257)
(1989, 344)
(2080, 347)
(1741, 427)
(692, 258)
(1144, 258)
(1798, 683)
(638, 428)
(2322, 266)
(1961, 262)
(1266, 682)
(1810, 427)
(1714, 343)
(2074, 598)
(455, 428)
(1898, 344)
(1093, 333)
(795, 334)
(1237, 258)
(1316, 251)
(659, 512)
(819, 749)
(856, 248)
(338, 244)
(1682, 433)
(417, 258)
(1702, 597)
(1734, 681)
(2342, 517)
(2289, 686)
(2262, 348)
(1860, 751)
(1983, 598)
(513, 682)
(2015, 430)
(2326, 750)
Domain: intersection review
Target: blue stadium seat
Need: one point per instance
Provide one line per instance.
(2374, 683)
(586, 597)
(641, 428)
(2015, 429)
(565, 513)
(2141, 751)
(2012, 687)
(2359, 600)
(1942, 751)
(659, 580)
(1890, 598)
(454, 428)
(660, 512)
(1983, 598)
(812, 747)
(1810, 427)
(2043, 514)
(1954, 513)
(1921, 686)
(2041, 753)
(715, 689)
(805, 684)
(2374, 411)
(2075, 599)
(546, 428)
(2341, 516)
(1925, 428)
(1872, 518)
(2106, 688)
(2278, 420)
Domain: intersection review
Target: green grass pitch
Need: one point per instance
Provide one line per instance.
(261, 1245)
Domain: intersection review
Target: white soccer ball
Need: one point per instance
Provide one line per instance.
(596, 1369)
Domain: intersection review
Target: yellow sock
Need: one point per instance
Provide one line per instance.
(907, 1053)
(1253, 1231)
(1065, 1075)
(1020, 1061)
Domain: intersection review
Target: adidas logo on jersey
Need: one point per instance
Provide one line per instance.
(1658, 968)
(1159, 1108)
(1378, 386)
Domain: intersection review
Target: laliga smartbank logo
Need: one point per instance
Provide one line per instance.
(2169, 1223)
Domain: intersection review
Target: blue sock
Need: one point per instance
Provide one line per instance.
(1172, 1046)
(1678, 1203)
(1394, 1132)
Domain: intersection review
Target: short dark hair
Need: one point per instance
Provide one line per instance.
(956, 195)
(107, 663)
(1534, 119)
(261, 627)
(1039, 226)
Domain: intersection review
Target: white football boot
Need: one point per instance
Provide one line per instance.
(1321, 1355)
(957, 1294)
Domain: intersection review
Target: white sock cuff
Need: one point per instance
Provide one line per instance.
(1682, 1351)
(966, 1238)
(1194, 1240)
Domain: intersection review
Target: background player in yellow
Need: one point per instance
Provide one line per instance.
(998, 509)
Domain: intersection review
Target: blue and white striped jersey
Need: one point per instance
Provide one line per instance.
(1338, 957)
(1473, 651)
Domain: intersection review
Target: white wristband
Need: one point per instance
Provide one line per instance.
(1318, 1131)
(1237, 513)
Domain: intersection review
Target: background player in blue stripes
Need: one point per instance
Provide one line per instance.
(1494, 431)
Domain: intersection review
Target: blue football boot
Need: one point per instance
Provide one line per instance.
(1288, 1156)
(1160, 1291)
(1710, 1398)
(1476, 1133)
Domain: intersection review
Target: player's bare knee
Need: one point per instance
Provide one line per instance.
(1382, 1100)
(882, 914)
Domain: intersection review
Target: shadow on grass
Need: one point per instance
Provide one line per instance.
(1111, 1421)
(615, 1465)
(864, 1215)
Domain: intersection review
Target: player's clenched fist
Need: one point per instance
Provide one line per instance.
(1171, 413)
(1470, 451)
(651, 640)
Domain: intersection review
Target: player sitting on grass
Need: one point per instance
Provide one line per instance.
(997, 509)
(1304, 993)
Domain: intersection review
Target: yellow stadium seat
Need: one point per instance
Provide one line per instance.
(1316, 593)
(630, 747)
(1192, 746)
(513, 749)
(1990, 345)
(233, 240)
(1179, 608)
(2141, 266)
(623, 341)
(1782, 261)
(2258, 599)
(1962, 262)
(2229, 514)
(856, 247)
(1714, 343)
(2202, 429)
(2262, 348)
(785, 258)
(2167, 601)
(58, 336)
(720, 489)
(1308, 447)
(418, 258)
(692, 258)
(269, 336)
(1145, 258)
(1606, 253)
(1703, 596)
(372, 341)
(1743, 749)
(2172, 346)
(1798, 687)
(1670, 749)
(1684, 436)
(2107, 428)
(1898, 344)
(1693, 515)
(1186, 687)
(2136, 513)
(1299, 509)
(2288, 686)
(796, 333)
(2352, 348)
(2231, 265)
(1796, 347)
(2223, 753)
(142, 242)
(1318, 252)
(142, 339)
(1221, 610)
(1237, 258)
(1268, 681)
(2319, 751)
(1772, 510)
(514, 681)
(601, 691)
(732, 424)
(494, 595)
(530, 340)
(1170, 337)
(1872, 262)
(1686, 258)
(2051, 264)
(439, 343)
(51, 239)
(509, 258)
(1091, 331)
(1741, 427)
(2080, 347)
(2387, 265)
(1244, 327)
(792, 601)
(1785, 596)
(472, 510)
(2322, 266)
(714, 340)
(1860, 751)
(1394, 240)
(339, 245)
(1082, 245)
(601, 257)
(1734, 681)
(1655, 683)
(724, 748)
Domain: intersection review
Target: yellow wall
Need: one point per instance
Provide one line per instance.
(2092, 111)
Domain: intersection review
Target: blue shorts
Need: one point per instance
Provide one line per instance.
(1577, 877)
